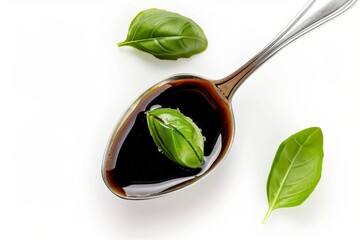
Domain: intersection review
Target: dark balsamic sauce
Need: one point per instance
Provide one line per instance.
(134, 166)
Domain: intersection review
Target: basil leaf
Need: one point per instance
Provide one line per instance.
(296, 170)
(166, 35)
(177, 136)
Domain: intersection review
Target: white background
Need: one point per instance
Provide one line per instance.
(64, 84)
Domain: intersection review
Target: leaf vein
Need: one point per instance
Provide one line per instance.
(299, 181)
(296, 193)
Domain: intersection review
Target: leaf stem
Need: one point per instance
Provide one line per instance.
(267, 215)
(120, 44)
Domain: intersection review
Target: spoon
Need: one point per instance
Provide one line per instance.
(133, 168)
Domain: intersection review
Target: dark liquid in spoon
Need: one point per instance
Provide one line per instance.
(135, 168)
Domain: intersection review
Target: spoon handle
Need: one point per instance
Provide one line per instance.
(312, 15)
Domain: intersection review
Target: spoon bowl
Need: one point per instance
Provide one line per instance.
(151, 174)
(133, 167)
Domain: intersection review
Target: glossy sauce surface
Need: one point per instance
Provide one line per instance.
(135, 168)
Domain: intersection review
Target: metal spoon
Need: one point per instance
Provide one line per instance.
(314, 14)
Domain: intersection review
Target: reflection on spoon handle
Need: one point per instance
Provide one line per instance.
(314, 14)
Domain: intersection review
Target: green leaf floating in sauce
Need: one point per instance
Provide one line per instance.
(296, 170)
(166, 35)
(177, 136)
